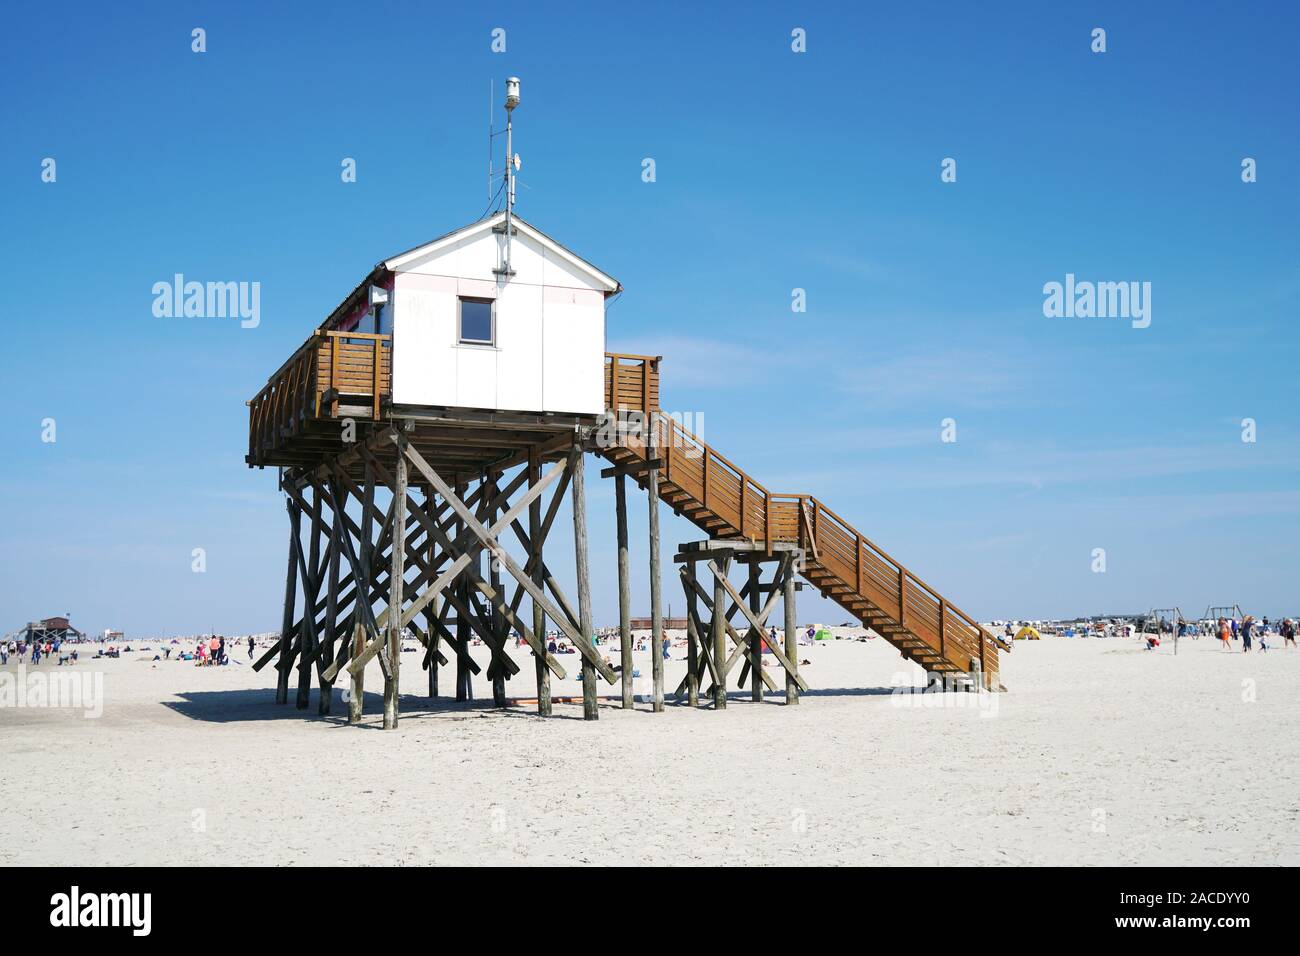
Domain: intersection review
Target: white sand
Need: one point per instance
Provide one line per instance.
(1100, 754)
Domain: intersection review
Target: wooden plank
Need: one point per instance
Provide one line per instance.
(656, 606)
(578, 485)
(624, 590)
(397, 578)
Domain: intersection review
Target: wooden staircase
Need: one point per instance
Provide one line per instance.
(725, 502)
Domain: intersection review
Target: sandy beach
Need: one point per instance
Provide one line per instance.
(1101, 753)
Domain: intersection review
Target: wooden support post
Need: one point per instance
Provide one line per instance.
(755, 634)
(290, 597)
(791, 637)
(464, 679)
(396, 581)
(357, 693)
(499, 627)
(535, 536)
(307, 638)
(326, 656)
(431, 611)
(590, 703)
(692, 641)
(720, 634)
(624, 591)
(656, 606)
(362, 609)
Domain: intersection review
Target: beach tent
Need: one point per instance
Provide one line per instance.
(1028, 633)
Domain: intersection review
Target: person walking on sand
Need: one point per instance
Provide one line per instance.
(1246, 627)
(250, 647)
(1224, 633)
(1288, 632)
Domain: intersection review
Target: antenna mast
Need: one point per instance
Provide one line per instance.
(512, 163)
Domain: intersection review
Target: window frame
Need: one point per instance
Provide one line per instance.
(460, 321)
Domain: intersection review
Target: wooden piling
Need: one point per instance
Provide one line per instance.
(397, 576)
(326, 657)
(500, 628)
(311, 591)
(361, 606)
(432, 610)
(755, 635)
(590, 704)
(290, 599)
(720, 635)
(464, 676)
(692, 641)
(656, 607)
(357, 693)
(791, 636)
(624, 591)
(535, 555)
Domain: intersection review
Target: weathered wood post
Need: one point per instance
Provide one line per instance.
(331, 601)
(693, 640)
(624, 591)
(434, 607)
(290, 597)
(590, 704)
(307, 638)
(539, 613)
(499, 628)
(356, 694)
(756, 636)
(791, 626)
(656, 608)
(464, 677)
(361, 605)
(720, 633)
(396, 582)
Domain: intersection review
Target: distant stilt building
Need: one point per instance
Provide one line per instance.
(47, 629)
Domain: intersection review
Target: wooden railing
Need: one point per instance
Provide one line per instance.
(751, 511)
(328, 369)
(632, 382)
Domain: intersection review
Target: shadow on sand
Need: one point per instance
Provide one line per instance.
(244, 706)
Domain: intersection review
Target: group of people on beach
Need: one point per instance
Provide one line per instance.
(1251, 631)
(38, 651)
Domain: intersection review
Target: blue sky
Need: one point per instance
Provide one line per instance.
(775, 170)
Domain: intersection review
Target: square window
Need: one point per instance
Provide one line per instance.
(477, 326)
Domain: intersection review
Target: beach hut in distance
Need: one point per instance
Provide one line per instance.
(429, 428)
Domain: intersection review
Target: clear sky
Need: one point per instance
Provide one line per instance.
(775, 170)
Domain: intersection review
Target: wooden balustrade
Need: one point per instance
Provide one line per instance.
(752, 511)
(338, 367)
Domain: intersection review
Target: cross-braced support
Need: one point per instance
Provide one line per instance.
(707, 637)
(393, 542)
